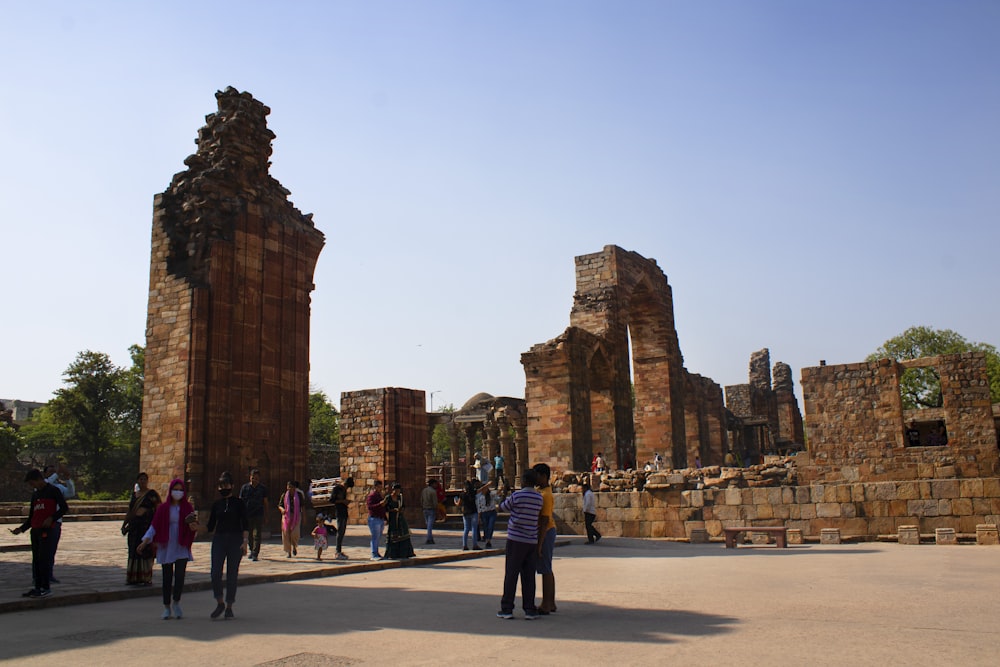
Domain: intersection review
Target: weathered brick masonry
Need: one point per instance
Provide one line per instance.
(227, 334)
(384, 436)
(857, 475)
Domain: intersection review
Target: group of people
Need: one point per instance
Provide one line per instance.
(171, 530)
(531, 537)
(164, 530)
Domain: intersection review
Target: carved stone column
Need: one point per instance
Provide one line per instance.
(521, 448)
(506, 446)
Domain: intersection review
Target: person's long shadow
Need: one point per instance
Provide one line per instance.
(324, 608)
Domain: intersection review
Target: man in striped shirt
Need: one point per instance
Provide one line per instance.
(522, 547)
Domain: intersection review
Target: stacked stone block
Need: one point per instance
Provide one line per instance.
(227, 336)
(855, 422)
(383, 436)
(579, 386)
(864, 509)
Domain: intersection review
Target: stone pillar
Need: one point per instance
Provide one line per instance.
(491, 441)
(506, 448)
(945, 536)
(909, 535)
(453, 481)
(829, 536)
(227, 330)
(521, 449)
(986, 533)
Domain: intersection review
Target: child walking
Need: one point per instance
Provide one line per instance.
(319, 536)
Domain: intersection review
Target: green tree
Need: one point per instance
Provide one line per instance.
(921, 387)
(324, 422)
(11, 443)
(91, 423)
(441, 439)
(130, 383)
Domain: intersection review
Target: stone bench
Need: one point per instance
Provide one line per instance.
(780, 534)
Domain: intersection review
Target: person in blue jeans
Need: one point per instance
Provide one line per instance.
(470, 515)
(486, 502)
(429, 503)
(375, 502)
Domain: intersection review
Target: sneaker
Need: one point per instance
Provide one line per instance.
(505, 615)
(166, 614)
(530, 616)
(178, 612)
(229, 613)
(29, 594)
(219, 608)
(39, 593)
(53, 580)
(341, 557)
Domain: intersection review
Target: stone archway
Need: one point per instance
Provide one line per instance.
(572, 381)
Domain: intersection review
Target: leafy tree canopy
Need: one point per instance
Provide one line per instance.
(324, 421)
(93, 423)
(441, 439)
(921, 387)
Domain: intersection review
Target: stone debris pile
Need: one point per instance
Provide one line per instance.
(779, 472)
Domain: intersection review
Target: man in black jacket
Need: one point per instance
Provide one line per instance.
(47, 507)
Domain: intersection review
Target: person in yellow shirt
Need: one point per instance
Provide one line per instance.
(546, 539)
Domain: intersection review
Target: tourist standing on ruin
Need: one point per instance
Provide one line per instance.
(139, 569)
(589, 513)
(254, 496)
(338, 496)
(231, 527)
(375, 503)
(498, 469)
(47, 507)
(429, 504)
(290, 506)
(173, 529)
(521, 550)
(546, 539)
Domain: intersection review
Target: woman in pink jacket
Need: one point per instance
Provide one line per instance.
(173, 530)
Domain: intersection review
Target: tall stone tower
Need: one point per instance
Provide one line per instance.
(227, 331)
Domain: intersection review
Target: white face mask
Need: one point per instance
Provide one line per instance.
(177, 494)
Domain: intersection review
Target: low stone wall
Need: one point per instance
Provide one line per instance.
(863, 509)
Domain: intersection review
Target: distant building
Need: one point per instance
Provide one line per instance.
(22, 411)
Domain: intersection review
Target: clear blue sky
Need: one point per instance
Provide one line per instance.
(813, 177)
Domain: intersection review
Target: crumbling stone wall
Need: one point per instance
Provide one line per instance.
(579, 387)
(855, 422)
(227, 332)
(861, 509)
(767, 417)
(384, 436)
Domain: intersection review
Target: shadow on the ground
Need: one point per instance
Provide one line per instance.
(322, 608)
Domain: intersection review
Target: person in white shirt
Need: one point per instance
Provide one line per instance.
(590, 513)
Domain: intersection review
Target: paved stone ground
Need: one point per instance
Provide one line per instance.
(622, 601)
(91, 558)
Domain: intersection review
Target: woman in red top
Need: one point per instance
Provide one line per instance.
(173, 529)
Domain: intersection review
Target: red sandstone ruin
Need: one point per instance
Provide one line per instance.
(227, 334)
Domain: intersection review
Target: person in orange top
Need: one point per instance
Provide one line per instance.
(546, 539)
